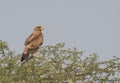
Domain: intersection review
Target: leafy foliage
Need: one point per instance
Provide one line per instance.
(55, 64)
(3, 48)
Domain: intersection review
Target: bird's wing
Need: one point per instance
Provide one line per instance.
(27, 41)
(30, 38)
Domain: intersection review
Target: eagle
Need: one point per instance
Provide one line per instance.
(32, 43)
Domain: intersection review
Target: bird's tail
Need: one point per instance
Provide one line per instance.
(24, 57)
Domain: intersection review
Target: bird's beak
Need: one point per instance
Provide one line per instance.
(42, 28)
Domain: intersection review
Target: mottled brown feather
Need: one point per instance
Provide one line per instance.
(32, 43)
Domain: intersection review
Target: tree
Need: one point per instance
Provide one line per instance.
(55, 64)
(3, 48)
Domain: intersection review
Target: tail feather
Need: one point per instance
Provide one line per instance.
(24, 57)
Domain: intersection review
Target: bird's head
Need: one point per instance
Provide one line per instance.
(39, 28)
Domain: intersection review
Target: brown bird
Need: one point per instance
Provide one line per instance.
(32, 43)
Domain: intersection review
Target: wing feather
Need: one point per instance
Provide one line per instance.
(27, 41)
(32, 37)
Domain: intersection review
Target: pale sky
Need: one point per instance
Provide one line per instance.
(89, 25)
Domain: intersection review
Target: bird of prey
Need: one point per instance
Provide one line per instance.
(32, 43)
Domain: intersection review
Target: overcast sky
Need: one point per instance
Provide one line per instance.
(89, 25)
